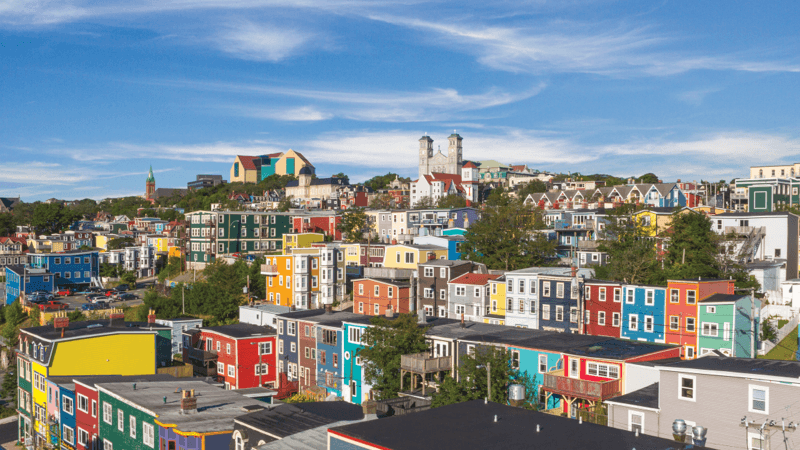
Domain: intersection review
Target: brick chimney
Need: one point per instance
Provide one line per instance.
(188, 402)
(116, 318)
(151, 317)
(61, 321)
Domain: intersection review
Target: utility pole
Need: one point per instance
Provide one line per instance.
(489, 380)
(183, 298)
(752, 323)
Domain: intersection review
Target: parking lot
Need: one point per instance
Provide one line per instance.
(77, 300)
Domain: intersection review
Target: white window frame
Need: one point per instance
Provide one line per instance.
(648, 324)
(711, 326)
(68, 401)
(108, 413)
(64, 434)
(120, 420)
(132, 425)
(83, 437)
(633, 322)
(80, 396)
(231, 371)
(545, 312)
(601, 318)
(649, 297)
(615, 319)
(542, 363)
(681, 377)
(750, 389)
(630, 422)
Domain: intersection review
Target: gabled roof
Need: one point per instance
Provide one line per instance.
(247, 162)
(722, 298)
(475, 279)
(646, 397)
(470, 165)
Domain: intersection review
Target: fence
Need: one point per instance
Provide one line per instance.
(178, 371)
(766, 346)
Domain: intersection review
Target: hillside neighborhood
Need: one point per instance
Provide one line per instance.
(279, 310)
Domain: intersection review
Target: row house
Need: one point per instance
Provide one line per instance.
(522, 296)
(683, 308)
(69, 268)
(732, 398)
(379, 296)
(294, 279)
(300, 240)
(433, 279)
(439, 185)
(11, 251)
(498, 309)
(364, 254)
(141, 260)
(766, 195)
(22, 281)
(451, 243)
(325, 222)
(469, 296)
(213, 233)
(408, 256)
(240, 355)
(80, 349)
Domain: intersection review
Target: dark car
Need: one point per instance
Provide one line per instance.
(37, 299)
(126, 296)
(102, 304)
(88, 307)
(121, 288)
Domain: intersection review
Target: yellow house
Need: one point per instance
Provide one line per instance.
(497, 301)
(300, 240)
(252, 169)
(353, 254)
(244, 170)
(101, 241)
(175, 250)
(407, 256)
(289, 163)
(84, 348)
(654, 222)
(39, 245)
(161, 243)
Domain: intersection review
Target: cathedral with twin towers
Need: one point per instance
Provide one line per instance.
(441, 175)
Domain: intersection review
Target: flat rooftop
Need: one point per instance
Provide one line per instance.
(288, 419)
(471, 424)
(242, 330)
(747, 366)
(216, 407)
(92, 328)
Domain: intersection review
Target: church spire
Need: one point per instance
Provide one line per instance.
(150, 176)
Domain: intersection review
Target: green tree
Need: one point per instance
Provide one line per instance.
(118, 243)
(51, 218)
(76, 316)
(531, 187)
(353, 224)
(285, 204)
(425, 202)
(381, 181)
(274, 182)
(381, 201)
(7, 224)
(129, 278)
(173, 268)
(506, 237)
(342, 175)
(633, 257)
(389, 339)
(648, 178)
(768, 332)
(451, 201)
(473, 377)
(693, 248)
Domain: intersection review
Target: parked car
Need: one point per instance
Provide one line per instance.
(121, 288)
(101, 304)
(65, 292)
(53, 305)
(98, 298)
(126, 296)
(37, 299)
(90, 297)
(88, 307)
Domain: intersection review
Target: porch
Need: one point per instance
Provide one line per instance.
(423, 364)
(575, 392)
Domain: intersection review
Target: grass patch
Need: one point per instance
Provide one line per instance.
(785, 350)
(781, 323)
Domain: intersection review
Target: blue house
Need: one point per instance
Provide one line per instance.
(536, 363)
(69, 268)
(69, 436)
(289, 343)
(22, 280)
(355, 388)
(643, 313)
(558, 303)
(451, 243)
(665, 195)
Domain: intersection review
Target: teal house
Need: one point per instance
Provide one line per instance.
(354, 387)
(536, 363)
(724, 325)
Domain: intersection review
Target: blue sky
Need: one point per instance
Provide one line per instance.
(92, 93)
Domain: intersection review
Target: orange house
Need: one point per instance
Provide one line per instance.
(291, 279)
(373, 296)
(682, 312)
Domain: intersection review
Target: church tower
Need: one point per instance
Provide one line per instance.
(454, 154)
(150, 186)
(425, 153)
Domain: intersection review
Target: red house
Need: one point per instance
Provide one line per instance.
(245, 354)
(307, 353)
(682, 310)
(603, 308)
(373, 296)
(86, 415)
(318, 222)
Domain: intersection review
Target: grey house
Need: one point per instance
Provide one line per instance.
(469, 296)
(737, 400)
(179, 325)
(432, 288)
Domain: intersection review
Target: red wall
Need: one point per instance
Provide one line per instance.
(318, 224)
(400, 300)
(594, 305)
(309, 363)
(84, 420)
(247, 351)
(683, 310)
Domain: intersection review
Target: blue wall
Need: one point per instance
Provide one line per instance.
(356, 373)
(529, 362)
(328, 367)
(78, 262)
(641, 310)
(566, 302)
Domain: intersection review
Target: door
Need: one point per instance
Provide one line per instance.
(353, 392)
(574, 368)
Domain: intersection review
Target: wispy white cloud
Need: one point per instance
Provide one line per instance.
(695, 97)
(260, 42)
(299, 114)
(567, 47)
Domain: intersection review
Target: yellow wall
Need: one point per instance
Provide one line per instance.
(282, 289)
(101, 241)
(500, 296)
(39, 397)
(300, 240)
(119, 354)
(245, 176)
(161, 244)
(390, 257)
(352, 258)
(280, 166)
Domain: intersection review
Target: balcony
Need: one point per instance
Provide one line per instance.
(738, 230)
(424, 363)
(269, 270)
(202, 355)
(588, 245)
(557, 383)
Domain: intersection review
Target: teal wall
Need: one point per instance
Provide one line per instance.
(529, 362)
(723, 315)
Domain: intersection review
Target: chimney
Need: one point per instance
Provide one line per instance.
(421, 316)
(389, 313)
(328, 308)
(151, 317)
(116, 318)
(188, 402)
(370, 408)
(574, 271)
(463, 325)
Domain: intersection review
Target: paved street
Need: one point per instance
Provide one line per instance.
(8, 434)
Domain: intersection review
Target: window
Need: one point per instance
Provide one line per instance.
(521, 286)
(429, 272)
(573, 315)
(601, 318)
(673, 296)
(635, 422)
(587, 293)
(648, 324)
(442, 293)
(291, 328)
(615, 319)
(686, 387)
(293, 347)
(633, 322)
(94, 408)
(477, 292)
(83, 437)
(560, 290)
(711, 309)
(68, 435)
(515, 359)
(428, 293)
(617, 295)
(710, 329)
(674, 322)
(377, 309)
(228, 348)
(690, 324)
(107, 445)
(361, 307)
(443, 272)
(629, 293)
(354, 335)
(546, 289)
(132, 425)
(68, 405)
(542, 363)
(83, 403)
(221, 368)
(533, 307)
(335, 360)
(521, 306)
(409, 258)
(777, 253)
(231, 370)
(602, 296)
(265, 348)
(691, 297)
(560, 313)
(759, 399)
(602, 370)
(120, 420)
(377, 291)
(545, 312)
(532, 287)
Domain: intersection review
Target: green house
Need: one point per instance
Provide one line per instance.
(768, 194)
(725, 325)
(124, 424)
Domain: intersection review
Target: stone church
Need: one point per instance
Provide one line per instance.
(440, 163)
